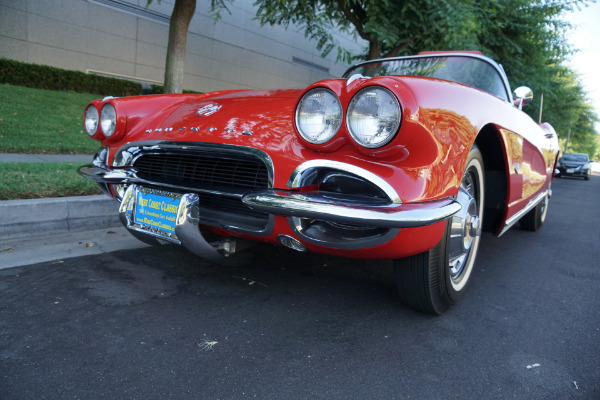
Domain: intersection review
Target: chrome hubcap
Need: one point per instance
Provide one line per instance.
(464, 231)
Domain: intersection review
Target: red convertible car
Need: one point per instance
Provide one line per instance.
(407, 159)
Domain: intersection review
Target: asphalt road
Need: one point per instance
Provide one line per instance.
(157, 323)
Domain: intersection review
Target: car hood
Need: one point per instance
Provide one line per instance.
(263, 118)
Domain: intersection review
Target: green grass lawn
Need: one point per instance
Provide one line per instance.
(34, 180)
(43, 121)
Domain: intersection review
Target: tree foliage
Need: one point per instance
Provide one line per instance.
(390, 27)
(526, 36)
(529, 39)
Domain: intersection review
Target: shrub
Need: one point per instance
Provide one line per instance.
(46, 77)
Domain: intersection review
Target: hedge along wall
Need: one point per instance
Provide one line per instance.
(45, 77)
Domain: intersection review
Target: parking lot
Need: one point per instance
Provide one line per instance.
(158, 323)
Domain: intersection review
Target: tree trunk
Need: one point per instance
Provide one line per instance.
(183, 11)
(374, 49)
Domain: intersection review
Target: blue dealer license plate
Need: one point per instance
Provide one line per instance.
(157, 210)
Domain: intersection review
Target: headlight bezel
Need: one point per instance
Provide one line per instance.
(391, 132)
(334, 128)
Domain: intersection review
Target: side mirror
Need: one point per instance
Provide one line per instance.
(522, 96)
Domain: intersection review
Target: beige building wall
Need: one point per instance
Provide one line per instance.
(128, 38)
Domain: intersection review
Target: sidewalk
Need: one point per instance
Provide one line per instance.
(17, 157)
(46, 229)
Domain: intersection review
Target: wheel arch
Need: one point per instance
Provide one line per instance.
(496, 179)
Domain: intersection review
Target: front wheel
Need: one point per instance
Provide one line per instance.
(434, 280)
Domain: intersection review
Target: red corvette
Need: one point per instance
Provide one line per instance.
(407, 158)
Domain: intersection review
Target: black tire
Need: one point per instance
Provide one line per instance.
(433, 281)
(534, 219)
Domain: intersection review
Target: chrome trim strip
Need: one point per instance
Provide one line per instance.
(532, 203)
(313, 205)
(302, 173)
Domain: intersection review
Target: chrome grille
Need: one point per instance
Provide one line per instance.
(219, 178)
(201, 170)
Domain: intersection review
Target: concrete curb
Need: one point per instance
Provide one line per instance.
(47, 216)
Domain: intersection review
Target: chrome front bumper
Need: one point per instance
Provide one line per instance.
(315, 205)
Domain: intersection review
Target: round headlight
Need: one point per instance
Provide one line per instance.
(374, 117)
(108, 119)
(319, 115)
(90, 120)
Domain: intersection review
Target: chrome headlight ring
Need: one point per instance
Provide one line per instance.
(91, 119)
(108, 119)
(318, 115)
(374, 117)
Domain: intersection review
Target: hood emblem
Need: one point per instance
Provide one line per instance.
(208, 109)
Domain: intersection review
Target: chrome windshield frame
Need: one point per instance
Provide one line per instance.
(481, 57)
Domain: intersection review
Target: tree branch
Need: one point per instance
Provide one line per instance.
(395, 51)
(343, 5)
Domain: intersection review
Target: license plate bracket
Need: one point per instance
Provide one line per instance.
(155, 211)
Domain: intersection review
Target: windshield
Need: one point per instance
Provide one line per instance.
(576, 157)
(470, 71)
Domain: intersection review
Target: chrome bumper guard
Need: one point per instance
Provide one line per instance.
(187, 231)
(317, 206)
